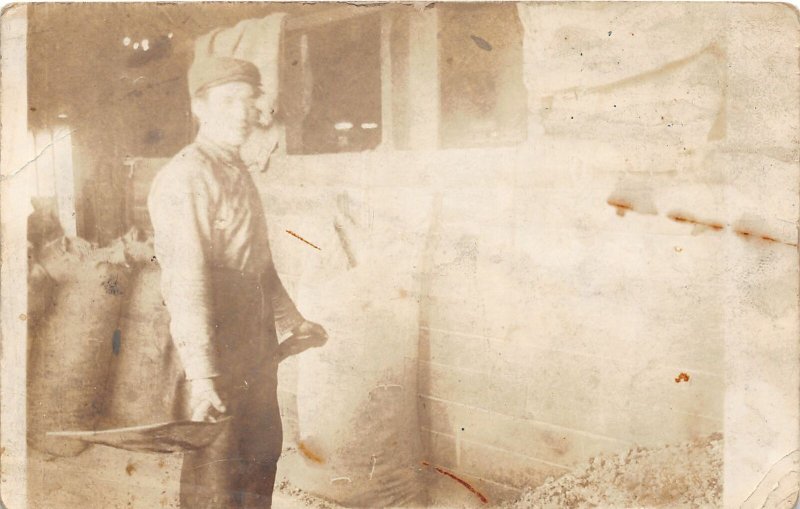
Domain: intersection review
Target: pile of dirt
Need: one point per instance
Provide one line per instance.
(682, 475)
(306, 498)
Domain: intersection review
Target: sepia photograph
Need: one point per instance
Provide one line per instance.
(434, 255)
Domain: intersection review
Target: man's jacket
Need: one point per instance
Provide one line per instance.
(210, 228)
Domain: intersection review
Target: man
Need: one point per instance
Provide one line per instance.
(222, 292)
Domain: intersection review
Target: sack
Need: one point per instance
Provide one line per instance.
(145, 372)
(70, 350)
(357, 395)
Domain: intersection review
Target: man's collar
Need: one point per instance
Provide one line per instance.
(218, 151)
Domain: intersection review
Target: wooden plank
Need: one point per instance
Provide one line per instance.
(320, 17)
(15, 170)
(423, 80)
(43, 165)
(64, 179)
(387, 117)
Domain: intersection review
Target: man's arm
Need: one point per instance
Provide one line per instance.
(180, 210)
(304, 336)
(297, 333)
(287, 317)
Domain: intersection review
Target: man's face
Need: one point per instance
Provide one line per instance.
(227, 112)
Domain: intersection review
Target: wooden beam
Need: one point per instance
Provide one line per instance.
(17, 175)
(423, 80)
(64, 179)
(387, 117)
(320, 17)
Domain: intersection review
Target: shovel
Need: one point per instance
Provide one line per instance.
(166, 437)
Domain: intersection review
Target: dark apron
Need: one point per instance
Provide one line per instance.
(148, 386)
(238, 469)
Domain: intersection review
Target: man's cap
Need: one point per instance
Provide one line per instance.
(211, 71)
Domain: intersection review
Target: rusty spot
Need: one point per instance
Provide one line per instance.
(130, 469)
(308, 453)
(403, 293)
(683, 377)
(740, 231)
(621, 206)
(464, 483)
(748, 234)
(684, 218)
(632, 200)
(161, 463)
(293, 234)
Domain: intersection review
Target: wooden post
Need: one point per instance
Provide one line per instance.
(64, 179)
(17, 174)
(387, 117)
(423, 80)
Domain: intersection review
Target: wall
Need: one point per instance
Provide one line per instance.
(646, 229)
(544, 333)
(702, 102)
(566, 284)
(115, 101)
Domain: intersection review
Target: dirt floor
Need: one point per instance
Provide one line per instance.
(107, 478)
(285, 489)
(686, 475)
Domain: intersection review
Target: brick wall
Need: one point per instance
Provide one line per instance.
(566, 284)
(551, 329)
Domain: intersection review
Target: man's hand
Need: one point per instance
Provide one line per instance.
(204, 400)
(310, 333)
(304, 336)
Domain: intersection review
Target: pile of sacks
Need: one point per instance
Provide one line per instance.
(79, 297)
